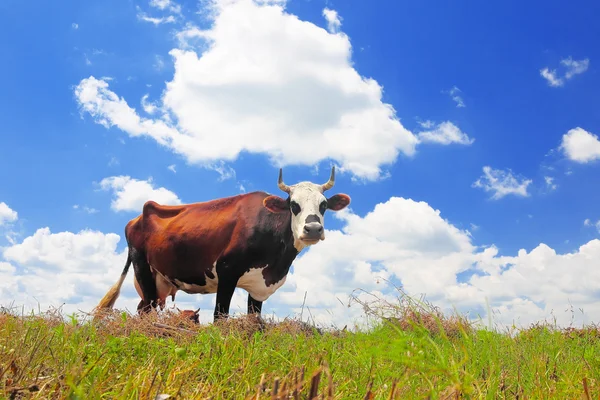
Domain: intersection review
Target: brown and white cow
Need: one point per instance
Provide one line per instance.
(247, 241)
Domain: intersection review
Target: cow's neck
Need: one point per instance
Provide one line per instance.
(283, 222)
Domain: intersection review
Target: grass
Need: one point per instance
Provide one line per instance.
(412, 352)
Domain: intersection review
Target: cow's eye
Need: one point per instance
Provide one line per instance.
(323, 207)
(295, 207)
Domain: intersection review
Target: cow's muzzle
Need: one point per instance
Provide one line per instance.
(312, 233)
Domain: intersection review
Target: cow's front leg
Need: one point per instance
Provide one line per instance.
(254, 306)
(254, 309)
(225, 290)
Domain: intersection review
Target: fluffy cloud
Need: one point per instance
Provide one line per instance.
(502, 183)
(130, 194)
(334, 21)
(570, 69)
(550, 76)
(444, 133)
(575, 67)
(260, 80)
(149, 107)
(580, 145)
(156, 21)
(7, 215)
(48, 269)
(166, 5)
(427, 254)
(421, 251)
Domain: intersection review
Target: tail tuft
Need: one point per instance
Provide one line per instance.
(110, 298)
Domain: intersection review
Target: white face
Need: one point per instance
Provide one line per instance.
(308, 205)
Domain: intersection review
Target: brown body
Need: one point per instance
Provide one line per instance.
(208, 247)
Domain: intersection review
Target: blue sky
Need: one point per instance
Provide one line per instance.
(504, 85)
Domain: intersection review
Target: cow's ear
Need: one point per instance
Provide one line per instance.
(275, 204)
(338, 202)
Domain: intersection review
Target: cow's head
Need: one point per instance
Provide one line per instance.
(307, 205)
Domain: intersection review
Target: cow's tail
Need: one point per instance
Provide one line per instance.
(109, 299)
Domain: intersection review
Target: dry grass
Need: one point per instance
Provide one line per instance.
(413, 352)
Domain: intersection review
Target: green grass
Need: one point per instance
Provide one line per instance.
(416, 353)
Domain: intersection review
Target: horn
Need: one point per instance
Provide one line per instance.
(196, 312)
(177, 308)
(280, 183)
(331, 181)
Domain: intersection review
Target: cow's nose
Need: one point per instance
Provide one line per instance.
(313, 230)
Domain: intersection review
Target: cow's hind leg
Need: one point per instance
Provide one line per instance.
(146, 282)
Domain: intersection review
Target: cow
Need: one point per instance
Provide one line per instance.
(247, 241)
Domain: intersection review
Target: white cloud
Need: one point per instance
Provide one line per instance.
(580, 145)
(166, 5)
(334, 21)
(427, 254)
(172, 168)
(427, 124)
(225, 172)
(86, 209)
(502, 183)
(445, 133)
(155, 20)
(75, 26)
(7, 215)
(454, 94)
(267, 83)
(551, 77)
(588, 222)
(130, 194)
(149, 107)
(550, 183)
(571, 68)
(575, 67)
(56, 268)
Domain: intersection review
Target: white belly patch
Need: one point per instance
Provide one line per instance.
(254, 283)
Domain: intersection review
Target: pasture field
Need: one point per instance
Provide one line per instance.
(415, 354)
